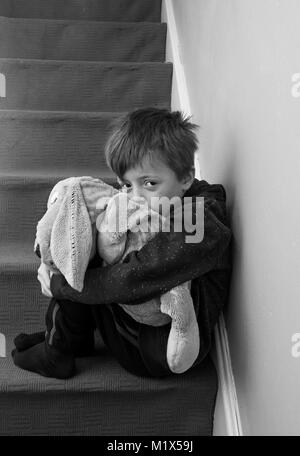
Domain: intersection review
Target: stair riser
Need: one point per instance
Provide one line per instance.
(23, 306)
(100, 10)
(52, 142)
(59, 85)
(63, 40)
(22, 205)
(98, 413)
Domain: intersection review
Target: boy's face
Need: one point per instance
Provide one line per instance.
(154, 179)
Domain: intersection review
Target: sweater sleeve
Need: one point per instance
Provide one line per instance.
(166, 261)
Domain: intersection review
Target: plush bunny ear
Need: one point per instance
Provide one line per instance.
(71, 237)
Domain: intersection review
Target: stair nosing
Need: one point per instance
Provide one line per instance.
(83, 21)
(91, 62)
(49, 177)
(63, 112)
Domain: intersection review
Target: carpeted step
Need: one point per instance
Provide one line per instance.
(23, 306)
(98, 10)
(105, 399)
(53, 142)
(17, 257)
(84, 86)
(82, 40)
(23, 201)
(101, 391)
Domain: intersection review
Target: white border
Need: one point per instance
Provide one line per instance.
(180, 96)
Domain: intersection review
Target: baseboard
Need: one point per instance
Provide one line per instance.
(228, 394)
(227, 417)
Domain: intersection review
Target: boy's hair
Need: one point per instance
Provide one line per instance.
(152, 133)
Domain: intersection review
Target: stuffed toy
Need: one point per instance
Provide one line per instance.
(84, 214)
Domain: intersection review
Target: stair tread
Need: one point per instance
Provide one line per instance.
(19, 178)
(14, 255)
(96, 373)
(100, 373)
(121, 10)
(17, 256)
(103, 398)
(14, 180)
(93, 63)
(91, 22)
(32, 113)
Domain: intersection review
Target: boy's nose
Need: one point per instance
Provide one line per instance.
(137, 192)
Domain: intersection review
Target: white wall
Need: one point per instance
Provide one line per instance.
(239, 57)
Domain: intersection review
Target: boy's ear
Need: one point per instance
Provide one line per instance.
(188, 179)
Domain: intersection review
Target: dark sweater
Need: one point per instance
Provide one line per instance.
(165, 262)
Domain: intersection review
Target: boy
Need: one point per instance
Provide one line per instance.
(151, 151)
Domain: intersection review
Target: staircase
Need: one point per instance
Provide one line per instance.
(72, 66)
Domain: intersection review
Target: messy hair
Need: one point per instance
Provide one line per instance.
(152, 133)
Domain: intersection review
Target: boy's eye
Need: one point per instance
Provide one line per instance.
(126, 186)
(152, 183)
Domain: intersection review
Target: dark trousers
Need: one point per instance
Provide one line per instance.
(71, 326)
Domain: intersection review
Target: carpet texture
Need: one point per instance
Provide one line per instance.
(99, 10)
(71, 67)
(82, 40)
(84, 86)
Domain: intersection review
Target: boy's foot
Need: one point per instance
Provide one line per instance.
(46, 361)
(24, 341)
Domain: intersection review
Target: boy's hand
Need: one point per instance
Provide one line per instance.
(44, 276)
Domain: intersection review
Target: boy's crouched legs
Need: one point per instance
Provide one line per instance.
(153, 342)
(108, 319)
(69, 328)
(145, 355)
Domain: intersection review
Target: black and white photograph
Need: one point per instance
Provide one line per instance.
(149, 222)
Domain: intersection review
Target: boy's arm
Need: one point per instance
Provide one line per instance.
(163, 263)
